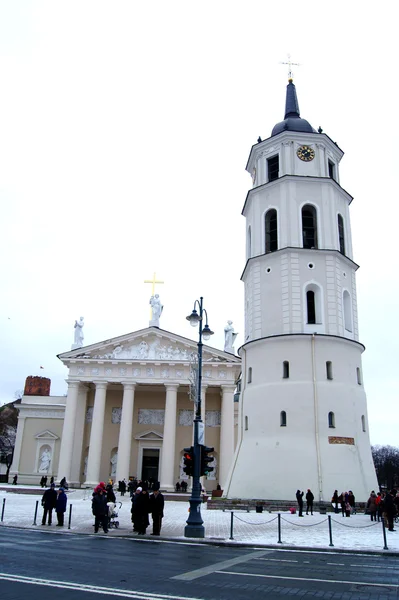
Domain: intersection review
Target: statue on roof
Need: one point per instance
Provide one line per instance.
(78, 335)
(229, 337)
(156, 310)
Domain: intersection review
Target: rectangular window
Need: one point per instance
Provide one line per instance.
(272, 168)
(359, 376)
(329, 372)
(331, 169)
(286, 369)
(250, 375)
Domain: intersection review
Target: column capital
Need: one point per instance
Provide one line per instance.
(228, 388)
(171, 386)
(101, 385)
(72, 383)
(129, 385)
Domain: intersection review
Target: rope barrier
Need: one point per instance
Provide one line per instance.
(252, 522)
(298, 525)
(355, 526)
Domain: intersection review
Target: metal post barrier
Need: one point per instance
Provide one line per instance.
(279, 528)
(36, 507)
(70, 516)
(231, 525)
(384, 533)
(2, 510)
(330, 530)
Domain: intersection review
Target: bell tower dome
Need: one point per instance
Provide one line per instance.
(303, 405)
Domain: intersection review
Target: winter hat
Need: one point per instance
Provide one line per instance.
(139, 489)
(101, 485)
(61, 489)
(52, 484)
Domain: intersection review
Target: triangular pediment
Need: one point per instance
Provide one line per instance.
(46, 435)
(149, 435)
(151, 345)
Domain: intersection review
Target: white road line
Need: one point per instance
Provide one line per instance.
(388, 585)
(375, 566)
(278, 560)
(190, 575)
(93, 589)
(336, 564)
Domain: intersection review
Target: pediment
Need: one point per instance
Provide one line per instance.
(149, 435)
(46, 435)
(150, 344)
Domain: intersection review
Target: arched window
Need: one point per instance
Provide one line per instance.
(341, 234)
(283, 419)
(359, 376)
(249, 242)
(347, 310)
(331, 420)
(311, 307)
(363, 423)
(271, 235)
(286, 369)
(250, 375)
(309, 226)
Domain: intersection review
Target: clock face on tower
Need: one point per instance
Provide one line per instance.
(305, 153)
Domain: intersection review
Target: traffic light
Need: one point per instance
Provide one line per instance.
(205, 460)
(188, 456)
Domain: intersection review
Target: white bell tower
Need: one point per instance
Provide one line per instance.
(303, 409)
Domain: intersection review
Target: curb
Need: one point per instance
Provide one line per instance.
(215, 542)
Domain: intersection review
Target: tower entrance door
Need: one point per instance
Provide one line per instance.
(150, 466)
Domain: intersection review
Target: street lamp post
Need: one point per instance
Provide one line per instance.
(195, 527)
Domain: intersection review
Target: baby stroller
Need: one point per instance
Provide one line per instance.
(113, 511)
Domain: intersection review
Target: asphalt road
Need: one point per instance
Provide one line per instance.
(48, 564)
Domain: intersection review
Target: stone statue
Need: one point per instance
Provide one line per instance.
(78, 335)
(157, 309)
(114, 462)
(212, 475)
(182, 474)
(45, 460)
(229, 337)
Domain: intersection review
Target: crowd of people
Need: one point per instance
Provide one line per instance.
(144, 504)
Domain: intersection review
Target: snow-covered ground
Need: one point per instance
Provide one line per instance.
(356, 532)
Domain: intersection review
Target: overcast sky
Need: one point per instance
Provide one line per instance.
(125, 128)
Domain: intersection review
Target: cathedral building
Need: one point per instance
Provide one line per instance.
(300, 420)
(303, 411)
(128, 412)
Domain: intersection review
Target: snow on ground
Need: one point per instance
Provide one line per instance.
(356, 532)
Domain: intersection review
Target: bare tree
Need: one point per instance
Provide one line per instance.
(386, 462)
(8, 432)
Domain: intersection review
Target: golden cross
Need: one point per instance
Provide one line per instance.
(153, 281)
(290, 64)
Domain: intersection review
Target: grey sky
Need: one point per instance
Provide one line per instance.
(124, 132)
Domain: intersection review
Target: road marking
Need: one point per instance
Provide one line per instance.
(278, 560)
(336, 564)
(190, 575)
(375, 566)
(387, 585)
(93, 589)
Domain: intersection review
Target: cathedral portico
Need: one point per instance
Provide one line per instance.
(129, 410)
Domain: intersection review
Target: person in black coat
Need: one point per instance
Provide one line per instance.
(156, 509)
(49, 500)
(141, 510)
(60, 506)
(110, 494)
(299, 497)
(122, 487)
(389, 509)
(100, 509)
(309, 502)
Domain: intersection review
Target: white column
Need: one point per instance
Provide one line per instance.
(68, 431)
(96, 435)
(169, 439)
(17, 448)
(226, 452)
(125, 432)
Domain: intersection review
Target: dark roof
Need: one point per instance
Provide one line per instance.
(292, 118)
